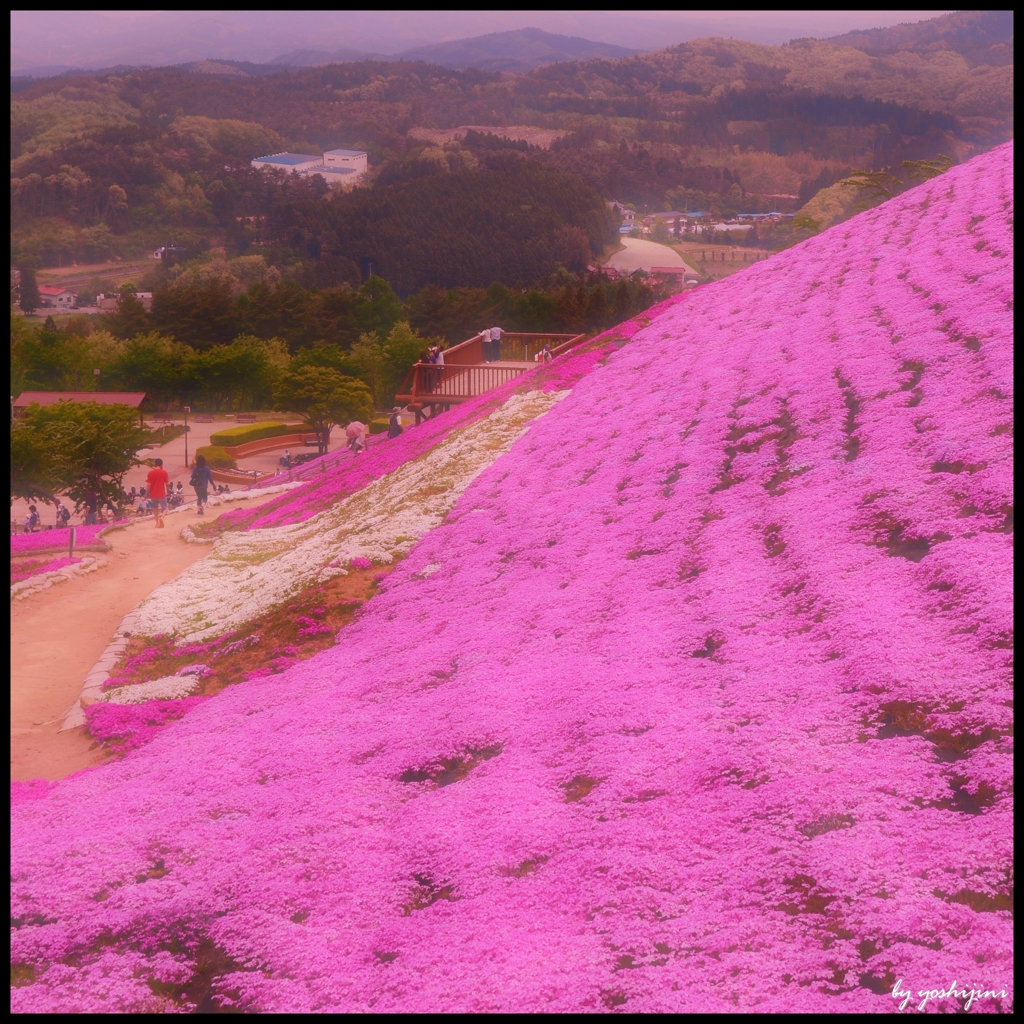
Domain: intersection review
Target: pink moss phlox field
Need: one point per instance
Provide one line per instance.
(125, 727)
(347, 474)
(34, 789)
(56, 540)
(706, 708)
(28, 569)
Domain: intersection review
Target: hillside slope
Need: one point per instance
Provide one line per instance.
(517, 51)
(698, 699)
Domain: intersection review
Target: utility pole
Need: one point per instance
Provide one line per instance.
(188, 409)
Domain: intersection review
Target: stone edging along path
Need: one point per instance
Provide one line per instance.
(23, 588)
(92, 689)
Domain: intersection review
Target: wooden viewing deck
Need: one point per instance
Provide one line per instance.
(430, 388)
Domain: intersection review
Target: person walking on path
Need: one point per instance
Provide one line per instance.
(496, 333)
(202, 481)
(92, 506)
(394, 427)
(158, 480)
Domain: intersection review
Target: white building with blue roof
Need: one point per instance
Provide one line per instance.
(343, 165)
(300, 162)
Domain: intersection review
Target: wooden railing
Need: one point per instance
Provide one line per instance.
(447, 384)
(466, 372)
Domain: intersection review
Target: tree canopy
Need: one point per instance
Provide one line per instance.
(326, 397)
(75, 447)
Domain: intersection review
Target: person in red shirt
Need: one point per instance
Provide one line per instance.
(158, 479)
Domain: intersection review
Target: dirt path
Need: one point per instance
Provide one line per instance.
(58, 634)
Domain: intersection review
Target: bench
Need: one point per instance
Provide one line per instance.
(204, 419)
(245, 419)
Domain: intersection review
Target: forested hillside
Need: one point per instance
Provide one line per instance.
(114, 164)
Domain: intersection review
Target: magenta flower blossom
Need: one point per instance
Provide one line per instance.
(57, 540)
(361, 563)
(25, 570)
(129, 726)
(703, 706)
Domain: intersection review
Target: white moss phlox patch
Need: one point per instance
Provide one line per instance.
(164, 688)
(247, 573)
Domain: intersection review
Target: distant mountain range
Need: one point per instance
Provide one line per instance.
(518, 51)
(980, 37)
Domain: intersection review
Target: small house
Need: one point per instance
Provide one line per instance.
(628, 216)
(53, 297)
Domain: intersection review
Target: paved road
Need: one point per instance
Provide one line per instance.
(640, 254)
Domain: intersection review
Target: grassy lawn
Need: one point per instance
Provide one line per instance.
(117, 272)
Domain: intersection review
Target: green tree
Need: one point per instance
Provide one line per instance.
(873, 187)
(622, 302)
(129, 318)
(325, 397)
(29, 299)
(152, 363)
(274, 312)
(379, 308)
(21, 341)
(323, 353)
(88, 446)
(33, 466)
(200, 314)
(382, 363)
(369, 360)
(598, 311)
(925, 169)
(241, 373)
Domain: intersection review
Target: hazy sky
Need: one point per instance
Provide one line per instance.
(103, 38)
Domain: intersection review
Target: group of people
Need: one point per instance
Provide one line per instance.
(491, 338)
(358, 433)
(164, 496)
(33, 522)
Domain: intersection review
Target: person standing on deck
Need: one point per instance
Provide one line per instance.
(485, 337)
(496, 333)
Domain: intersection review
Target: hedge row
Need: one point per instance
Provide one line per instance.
(216, 456)
(250, 432)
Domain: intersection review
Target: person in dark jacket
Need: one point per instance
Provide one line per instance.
(92, 506)
(394, 427)
(202, 481)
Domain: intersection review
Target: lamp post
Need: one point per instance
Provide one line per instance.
(187, 409)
